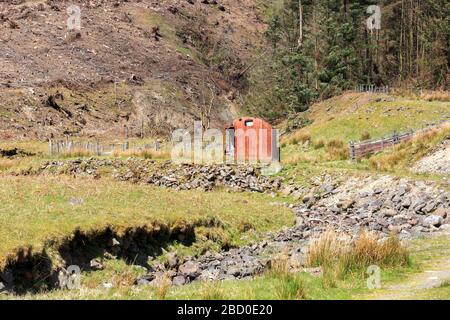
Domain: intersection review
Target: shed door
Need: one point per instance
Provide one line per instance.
(230, 142)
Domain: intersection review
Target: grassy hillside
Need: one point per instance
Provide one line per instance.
(356, 116)
(350, 116)
(37, 210)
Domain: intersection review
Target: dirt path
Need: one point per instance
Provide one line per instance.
(434, 257)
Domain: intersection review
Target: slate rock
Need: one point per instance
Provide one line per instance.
(190, 269)
(444, 213)
(179, 281)
(432, 220)
(172, 260)
(388, 212)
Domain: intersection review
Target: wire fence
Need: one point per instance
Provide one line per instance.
(56, 147)
(372, 88)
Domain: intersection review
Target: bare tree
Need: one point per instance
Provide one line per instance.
(206, 106)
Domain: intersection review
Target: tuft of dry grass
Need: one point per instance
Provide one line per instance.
(300, 137)
(386, 162)
(143, 153)
(211, 290)
(162, 287)
(365, 136)
(319, 143)
(335, 143)
(336, 150)
(279, 266)
(288, 286)
(439, 95)
(325, 249)
(298, 158)
(340, 256)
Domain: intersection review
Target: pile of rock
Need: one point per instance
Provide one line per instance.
(437, 162)
(383, 204)
(238, 178)
(92, 167)
(179, 177)
(239, 263)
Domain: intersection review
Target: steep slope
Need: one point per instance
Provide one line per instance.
(352, 115)
(136, 67)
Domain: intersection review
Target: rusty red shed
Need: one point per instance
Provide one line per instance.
(251, 139)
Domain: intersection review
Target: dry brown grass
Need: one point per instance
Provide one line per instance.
(288, 286)
(211, 290)
(162, 287)
(336, 150)
(144, 153)
(139, 153)
(440, 95)
(339, 256)
(319, 143)
(365, 136)
(326, 249)
(6, 164)
(300, 137)
(298, 158)
(408, 152)
(28, 221)
(280, 264)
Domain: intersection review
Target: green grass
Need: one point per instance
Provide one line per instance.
(270, 286)
(261, 288)
(427, 253)
(37, 209)
(349, 116)
(440, 293)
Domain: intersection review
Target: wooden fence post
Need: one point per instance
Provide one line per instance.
(97, 148)
(395, 138)
(50, 147)
(352, 150)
